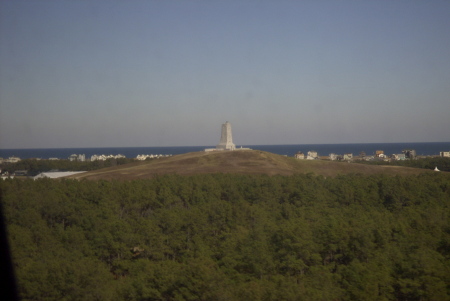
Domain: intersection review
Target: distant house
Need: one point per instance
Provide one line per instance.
(335, 157)
(409, 153)
(399, 157)
(348, 157)
(73, 157)
(56, 174)
(444, 154)
(379, 154)
(312, 155)
(6, 176)
(299, 155)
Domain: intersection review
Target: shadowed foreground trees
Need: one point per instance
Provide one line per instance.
(231, 237)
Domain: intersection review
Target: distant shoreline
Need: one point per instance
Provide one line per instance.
(422, 149)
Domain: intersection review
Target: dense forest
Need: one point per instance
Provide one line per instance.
(231, 237)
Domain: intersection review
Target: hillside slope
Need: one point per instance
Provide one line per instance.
(241, 162)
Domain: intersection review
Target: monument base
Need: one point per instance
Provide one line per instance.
(222, 149)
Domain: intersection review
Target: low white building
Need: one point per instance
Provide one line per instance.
(299, 155)
(73, 157)
(12, 159)
(312, 155)
(444, 154)
(4, 177)
(399, 157)
(348, 157)
(409, 153)
(56, 174)
(97, 158)
(145, 157)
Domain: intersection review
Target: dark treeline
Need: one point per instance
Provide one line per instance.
(231, 237)
(35, 167)
(441, 163)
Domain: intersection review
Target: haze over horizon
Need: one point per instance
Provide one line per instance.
(169, 73)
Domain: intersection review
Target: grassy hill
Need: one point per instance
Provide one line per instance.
(241, 162)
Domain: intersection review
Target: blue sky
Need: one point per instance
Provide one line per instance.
(169, 73)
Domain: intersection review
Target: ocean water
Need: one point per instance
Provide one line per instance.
(422, 148)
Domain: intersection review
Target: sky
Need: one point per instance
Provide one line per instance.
(169, 73)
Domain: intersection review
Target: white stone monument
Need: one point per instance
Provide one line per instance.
(226, 139)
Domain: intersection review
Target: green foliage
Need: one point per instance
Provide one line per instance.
(442, 163)
(231, 237)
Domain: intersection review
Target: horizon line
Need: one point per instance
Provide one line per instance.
(93, 147)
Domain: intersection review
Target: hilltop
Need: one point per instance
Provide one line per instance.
(240, 162)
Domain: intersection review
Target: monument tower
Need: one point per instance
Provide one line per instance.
(226, 140)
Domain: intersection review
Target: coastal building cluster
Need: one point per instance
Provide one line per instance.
(12, 159)
(145, 157)
(106, 157)
(311, 155)
(378, 156)
(82, 157)
(226, 144)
